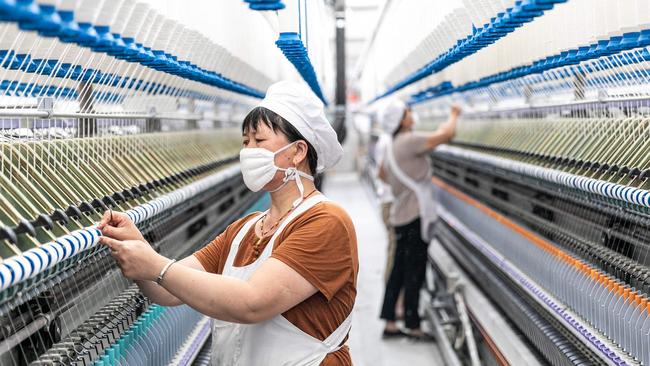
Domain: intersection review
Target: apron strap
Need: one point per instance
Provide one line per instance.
(422, 191)
(333, 342)
(234, 247)
(303, 207)
(409, 182)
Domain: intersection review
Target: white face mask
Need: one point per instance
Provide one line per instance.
(258, 168)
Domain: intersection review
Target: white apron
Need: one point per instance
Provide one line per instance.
(276, 341)
(423, 192)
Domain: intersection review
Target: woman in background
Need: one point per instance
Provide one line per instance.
(407, 169)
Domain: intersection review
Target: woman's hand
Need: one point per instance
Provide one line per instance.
(450, 125)
(118, 225)
(455, 111)
(136, 258)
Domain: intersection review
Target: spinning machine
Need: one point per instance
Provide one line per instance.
(115, 105)
(544, 193)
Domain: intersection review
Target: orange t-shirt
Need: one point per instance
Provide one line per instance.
(321, 245)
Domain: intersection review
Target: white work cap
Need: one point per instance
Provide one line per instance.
(392, 115)
(297, 104)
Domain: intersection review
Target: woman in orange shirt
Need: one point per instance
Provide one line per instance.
(279, 285)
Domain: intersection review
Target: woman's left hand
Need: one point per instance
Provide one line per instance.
(136, 258)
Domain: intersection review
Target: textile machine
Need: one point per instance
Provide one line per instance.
(543, 194)
(116, 105)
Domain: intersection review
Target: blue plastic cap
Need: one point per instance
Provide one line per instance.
(630, 40)
(48, 21)
(8, 11)
(614, 45)
(69, 28)
(106, 41)
(25, 10)
(601, 49)
(87, 35)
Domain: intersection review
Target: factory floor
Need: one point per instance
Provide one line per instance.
(366, 346)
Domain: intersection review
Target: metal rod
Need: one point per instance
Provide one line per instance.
(467, 327)
(600, 102)
(35, 113)
(446, 350)
(31, 328)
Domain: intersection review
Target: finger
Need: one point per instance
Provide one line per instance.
(106, 219)
(121, 219)
(110, 231)
(111, 243)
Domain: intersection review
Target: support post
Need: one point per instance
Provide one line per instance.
(87, 126)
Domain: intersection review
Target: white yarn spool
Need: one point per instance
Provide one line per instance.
(67, 5)
(156, 26)
(483, 12)
(583, 24)
(629, 17)
(204, 56)
(471, 11)
(48, 2)
(565, 40)
(146, 26)
(288, 18)
(222, 59)
(193, 48)
(108, 12)
(198, 41)
(643, 13)
(87, 10)
(174, 41)
(465, 23)
(122, 17)
(613, 18)
(162, 39)
(134, 23)
(600, 19)
(187, 42)
(445, 32)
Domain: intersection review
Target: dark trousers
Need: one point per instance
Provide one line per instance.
(408, 273)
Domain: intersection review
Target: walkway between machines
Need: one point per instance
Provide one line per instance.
(366, 346)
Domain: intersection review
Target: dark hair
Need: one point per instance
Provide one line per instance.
(277, 123)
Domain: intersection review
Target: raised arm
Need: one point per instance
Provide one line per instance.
(445, 132)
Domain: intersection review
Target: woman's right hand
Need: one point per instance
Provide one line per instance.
(449, 127)
(455, 111)
(118, 225)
